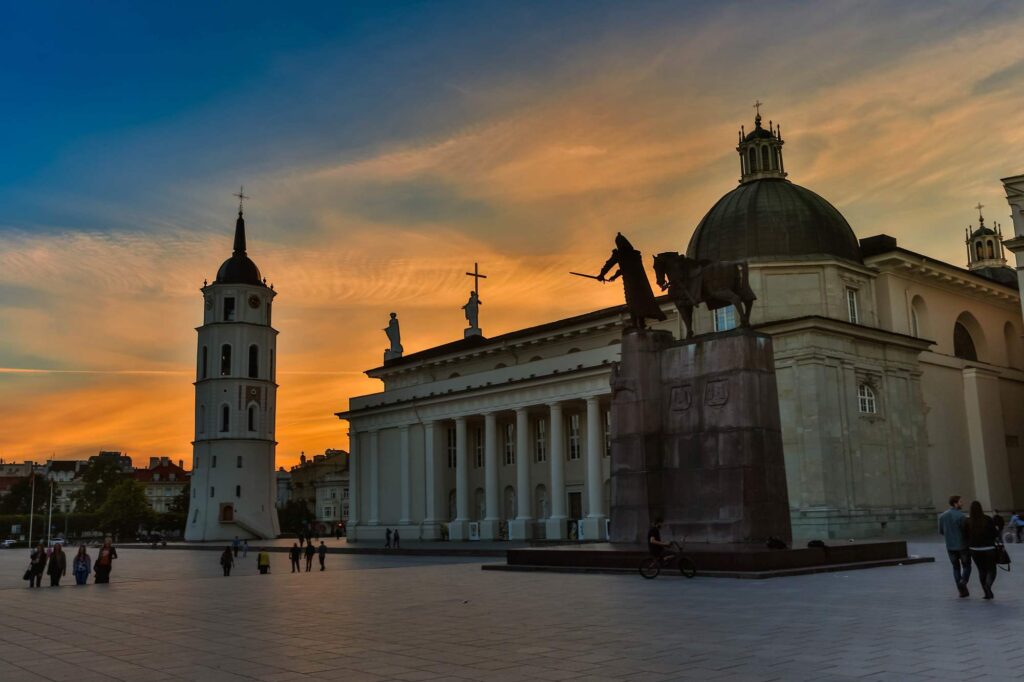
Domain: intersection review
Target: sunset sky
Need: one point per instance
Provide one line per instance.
(388, 146)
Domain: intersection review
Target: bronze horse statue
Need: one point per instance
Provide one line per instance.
(717, 284)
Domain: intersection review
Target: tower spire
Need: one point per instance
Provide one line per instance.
(240, 223)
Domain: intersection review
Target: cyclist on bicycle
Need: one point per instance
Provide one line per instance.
(654, 542)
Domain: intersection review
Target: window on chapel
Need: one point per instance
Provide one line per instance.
(225, 360)
(510, 444)
(852, 309)
(574, 436)
(229, 308)
(866, 402)
(963, 344)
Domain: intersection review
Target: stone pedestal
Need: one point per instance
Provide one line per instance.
(458, 530)
(697, 439)
(490, 529)
(520, 529)
(594, 528)
(556, 529)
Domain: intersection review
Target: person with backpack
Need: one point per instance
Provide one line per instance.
(263, 561)
(227, 561)
(310, 551)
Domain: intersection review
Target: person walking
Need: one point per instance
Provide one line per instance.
(322, 552)
(982, 539)
(235, 545)
(951, 526)
(999, 521)
(310, 551)
(227, 561)
(104, 563)
(58, 566)
(1017, 524)
(82, 565)
(263, 561)
(245, 548)
(37, 566)
(387, 538)
(294, 554)
(396, 541)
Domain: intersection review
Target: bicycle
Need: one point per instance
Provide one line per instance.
(652, 565)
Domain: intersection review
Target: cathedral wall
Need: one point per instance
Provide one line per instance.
(1012, 397)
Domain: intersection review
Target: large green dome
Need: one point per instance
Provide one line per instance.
(772, 218)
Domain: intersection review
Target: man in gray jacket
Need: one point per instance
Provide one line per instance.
(951, 525)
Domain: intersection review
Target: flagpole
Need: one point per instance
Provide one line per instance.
(49, 515)
(32, 504)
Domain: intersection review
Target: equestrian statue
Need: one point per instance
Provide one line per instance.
(717, 284)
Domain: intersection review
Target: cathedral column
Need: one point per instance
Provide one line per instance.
(490, 528)
(594, 527)
(459, 528)
(353, 486)
(556, 527)
(430, 529)
(404, 476)
(374, 480)
(521, 528)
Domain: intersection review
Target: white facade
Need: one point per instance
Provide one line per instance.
(233, 477)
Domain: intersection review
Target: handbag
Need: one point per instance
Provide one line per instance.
(1002, 557)
(28, 574)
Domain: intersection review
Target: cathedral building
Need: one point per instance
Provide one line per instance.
(900, 379)
(233, 487)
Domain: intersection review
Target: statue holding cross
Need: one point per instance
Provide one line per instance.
(472, 307)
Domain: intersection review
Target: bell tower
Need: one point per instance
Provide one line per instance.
(233, 481)
(760, 151)
(984, 245)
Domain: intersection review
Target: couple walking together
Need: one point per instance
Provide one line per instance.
(968, 537)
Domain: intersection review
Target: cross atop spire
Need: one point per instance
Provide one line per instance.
(241, 196)
(980, 216)
(757, 105)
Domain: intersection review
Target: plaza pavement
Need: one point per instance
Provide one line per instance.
(171, 615)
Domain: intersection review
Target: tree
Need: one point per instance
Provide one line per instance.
(19, 499)
(99, 479)
(295, 516)
(174, 519)
(125, 509)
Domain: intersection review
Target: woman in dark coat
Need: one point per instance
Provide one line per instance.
(104, 562)
(58, 566)
(227, 560)
(37, 566)
(982, 538)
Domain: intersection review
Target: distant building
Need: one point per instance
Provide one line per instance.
(163, 481)
(121, 459)
(66, 478)
(322, 484)
(11, 473)
(284, 487)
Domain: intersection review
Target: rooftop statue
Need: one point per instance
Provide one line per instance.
(395, 337)
(472, 309)
(717, 284)
(639, 296)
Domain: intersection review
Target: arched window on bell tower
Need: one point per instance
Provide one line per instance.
(225, 418)
(225, 360)
(254, 361)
